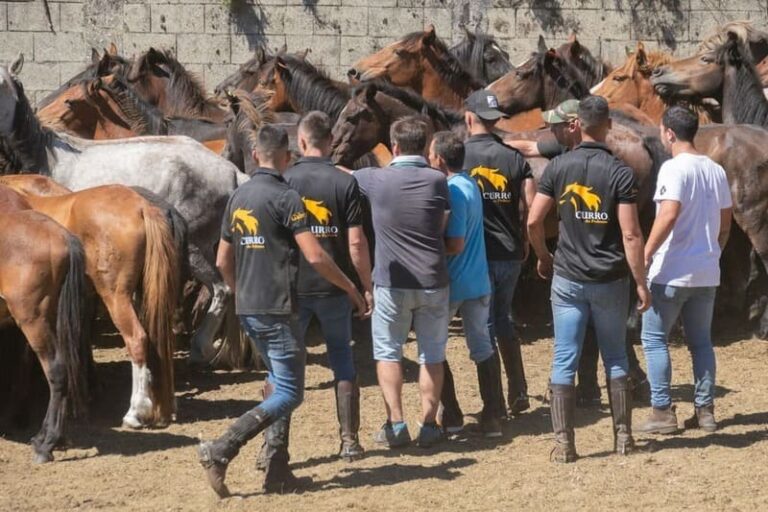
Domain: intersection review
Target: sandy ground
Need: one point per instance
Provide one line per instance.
(112, 468)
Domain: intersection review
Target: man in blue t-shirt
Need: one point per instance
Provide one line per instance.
(470, 291)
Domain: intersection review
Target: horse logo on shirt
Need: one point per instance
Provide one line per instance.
(492, 176)
(244, 222)
(318, 210)
(591, 201)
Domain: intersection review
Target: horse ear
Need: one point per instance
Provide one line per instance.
(369, 93)
(303, 55)
(640, 55)
(542, 45)
(429, 35)
(467, 32)
(280, 63)
(95, 57)
(16, 65)
(576, 47)
(260, 55)
(283, 49)
(112, 50)
(573, 38)
(550, 56)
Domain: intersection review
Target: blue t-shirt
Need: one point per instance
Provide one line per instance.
(468, 269)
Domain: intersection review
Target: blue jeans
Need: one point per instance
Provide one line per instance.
(335, 316)
(504, 276)
(274, 338)
(573, 304)
(395, 309)
(696, 306)
(474, 317)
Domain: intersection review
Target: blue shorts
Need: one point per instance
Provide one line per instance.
(395, 309)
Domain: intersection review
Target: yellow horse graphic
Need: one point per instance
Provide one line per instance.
(492, 176)
(590, 199)
(318, 210)
(244, 222)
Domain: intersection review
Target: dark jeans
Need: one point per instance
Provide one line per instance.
(335, 316)
(504, 276)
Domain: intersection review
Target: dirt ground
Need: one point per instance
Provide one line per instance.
(112, 468)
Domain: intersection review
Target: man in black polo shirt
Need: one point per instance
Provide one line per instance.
(263, 225)
(505, 180)
(599, 243)
(333, 203)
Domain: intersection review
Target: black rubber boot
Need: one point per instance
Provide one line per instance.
(216, 455)
(517, 387)
(563, 408)
(348, 413)
(620, 398)
(279, 478)
(261, 458)
(490, 382)
(452, 419)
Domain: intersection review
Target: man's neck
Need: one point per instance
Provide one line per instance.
(316, 153)
(269, 167)
(680, 147)
(479, 129)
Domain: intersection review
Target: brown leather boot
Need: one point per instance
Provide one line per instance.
(261, 458)
(490, 382)
(216, 455)
(563, 409)
(620, 398)
(703, 418)
(660, 421)
(452, 418)
(517, 387)
(348, 413)
(279, 478)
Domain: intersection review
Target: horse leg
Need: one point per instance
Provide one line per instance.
(202, 350)
(761, 302)
(127, 322)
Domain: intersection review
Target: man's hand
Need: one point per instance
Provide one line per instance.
(545, 266)
(648, 261)
(361, 306)
(368, 296)
(643, 298)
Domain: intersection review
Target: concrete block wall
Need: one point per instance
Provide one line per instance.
(212, 37)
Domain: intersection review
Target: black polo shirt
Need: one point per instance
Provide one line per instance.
(332, 200)
(588, 183)
(261, 219)
(499, 171)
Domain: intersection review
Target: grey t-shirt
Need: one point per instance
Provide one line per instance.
(408, 202)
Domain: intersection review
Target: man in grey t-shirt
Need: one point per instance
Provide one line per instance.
(409, 204)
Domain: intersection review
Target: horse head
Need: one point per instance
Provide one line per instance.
(10, 95)
(359, 126)
(247, 75)
(482, 56)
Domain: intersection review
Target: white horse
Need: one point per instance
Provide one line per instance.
(178, 169)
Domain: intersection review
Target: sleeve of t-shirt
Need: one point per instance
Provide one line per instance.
(726, 201)
(226, 224)
(362, 177)
(457, 220)
(669, 184)
(626, 186)
(547, 180)
(293, 214)
(550, 148)
(527, 172)
(354, 211)
(441, 193)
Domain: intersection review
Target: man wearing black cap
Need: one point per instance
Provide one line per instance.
(599, 243)
(505, 180)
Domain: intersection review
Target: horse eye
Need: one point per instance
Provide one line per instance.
(620, 78)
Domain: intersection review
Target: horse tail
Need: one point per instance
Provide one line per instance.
(74, 349)
(160, 294)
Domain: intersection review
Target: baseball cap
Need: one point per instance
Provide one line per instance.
(563, 113)
(485, 105)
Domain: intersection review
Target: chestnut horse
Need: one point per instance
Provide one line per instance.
(422, 62)
(42, 286)
(130, 250)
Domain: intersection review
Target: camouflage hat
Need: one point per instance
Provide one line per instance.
(563, 113)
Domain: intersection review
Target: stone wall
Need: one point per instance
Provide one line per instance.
(212, 37)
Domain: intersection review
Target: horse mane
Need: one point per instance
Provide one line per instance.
(446, 64)
(576, 86)
(471, 52)
(254, 108)
(310, 88)
(743, 100)
(91, 72)
(26, 147)
(593, 70)
(415, 101)
(144, 118)
(744, 30)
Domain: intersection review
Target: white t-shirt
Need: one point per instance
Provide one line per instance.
(690, 256)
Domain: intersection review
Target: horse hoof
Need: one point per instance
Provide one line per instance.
(132, 423)
(42, 458)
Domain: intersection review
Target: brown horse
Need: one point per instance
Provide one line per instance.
(41, 289)
(630, 84)
(164, 82)
(422, 62)
(129, 251)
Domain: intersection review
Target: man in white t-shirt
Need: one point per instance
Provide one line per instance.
(692, 223)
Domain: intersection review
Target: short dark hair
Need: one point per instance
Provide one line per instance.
(683, 121)
(593, 111)
(411, 134)
(270, 139)
(316, 127)
(448, 146)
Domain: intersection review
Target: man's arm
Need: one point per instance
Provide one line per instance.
(726, 216)
(324, 265)
(542, 203)
(527, 148)
(669, 212)
(360, 255)
(453, 245)
(526, 201)
(225, 262)
(633, 249)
